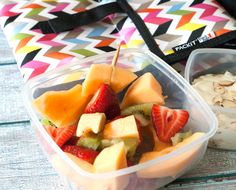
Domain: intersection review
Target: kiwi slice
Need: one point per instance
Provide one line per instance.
(130, 144)
(142, 119)
(92, 142)
(109, 142)
(140, 109)
(179, 137)
(47, 122)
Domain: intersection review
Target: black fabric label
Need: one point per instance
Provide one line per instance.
(193, 43)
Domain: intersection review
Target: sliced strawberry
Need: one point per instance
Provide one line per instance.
(51, 130)
(167, 122)
(115, 118)
(72, 141)
(104, 101)
(61, 135)
(86, 154)
(130, 163)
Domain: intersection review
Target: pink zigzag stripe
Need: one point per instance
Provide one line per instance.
(209, 9)
(48, 40)
(52, 43)
(5, 11)
(152, 18)
(126, 33)
(59, 7)
(38, 66)
(65, 61)
(215, 18)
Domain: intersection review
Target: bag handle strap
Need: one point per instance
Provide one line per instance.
(142, 28)
(230, 6)
(65, 22)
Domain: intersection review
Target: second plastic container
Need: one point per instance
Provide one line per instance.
(216, 61)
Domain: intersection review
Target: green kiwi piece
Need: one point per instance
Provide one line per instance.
(47, 122)
(142, 119)
(179, 137)
(130, 144)
(92, 142)
(109, 142)
(143, 109)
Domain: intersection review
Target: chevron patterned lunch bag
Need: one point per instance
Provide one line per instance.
(45, 34)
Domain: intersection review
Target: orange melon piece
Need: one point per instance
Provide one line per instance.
(63, 168)
(146, 89)
(121, 78)
(173, 166)
(111, 159)
(116, 183)
(63, 108)
(97, 75)
(121, 128)
(158, 145)
(81, 163)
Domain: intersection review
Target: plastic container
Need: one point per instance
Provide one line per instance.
(216, 61)
(149, 175)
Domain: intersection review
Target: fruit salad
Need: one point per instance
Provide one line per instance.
(113, 120)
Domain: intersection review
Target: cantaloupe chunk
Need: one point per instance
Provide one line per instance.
(63, 168)
(63, 108)
(81, 163)
(146, 89)
(97, 75)
(158, 145)
(83, 182)
(121, 78)
(111, 159)
(116, 183)
(92, 122)
(171, 167)
(121, 128)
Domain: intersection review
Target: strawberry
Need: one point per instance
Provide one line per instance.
(104, 101)
(130, 163)
(72, 141)
(115, 118)
(61, 135)
(86, 154)
(167, 122)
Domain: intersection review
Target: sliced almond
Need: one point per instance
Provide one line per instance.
(229, 104)
(217, 100)
(226, 83)
(218, 88)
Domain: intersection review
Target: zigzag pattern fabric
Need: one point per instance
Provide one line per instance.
(172, 22)
(176, 22)
(37, 53)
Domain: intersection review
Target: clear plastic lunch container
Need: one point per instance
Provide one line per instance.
(149, 175)
(216, 61)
